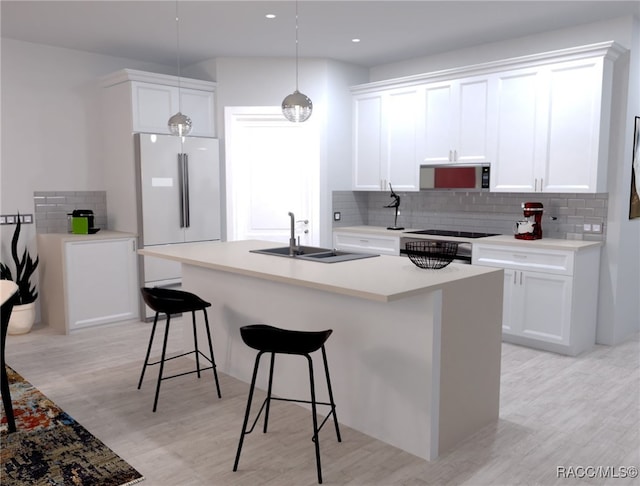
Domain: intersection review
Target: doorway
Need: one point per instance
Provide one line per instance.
(272, 168)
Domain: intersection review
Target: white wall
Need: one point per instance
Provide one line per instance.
(266, 81)
(619, 305)
(50, 125)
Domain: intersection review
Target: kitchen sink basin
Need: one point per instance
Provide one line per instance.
(284, 250)
(315, 254)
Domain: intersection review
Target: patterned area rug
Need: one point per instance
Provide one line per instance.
(50, 448)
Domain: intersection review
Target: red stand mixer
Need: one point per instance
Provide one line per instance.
(531, 227)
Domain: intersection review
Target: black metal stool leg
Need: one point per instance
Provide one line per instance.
(146, 358)
(195, 342)
(268, 402)
(316, 438)
(248, 411)
(164, 352)
(333, 403)
(213, 361)
(6, 399)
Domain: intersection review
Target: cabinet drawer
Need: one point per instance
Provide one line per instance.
(549, 261)
(367, 243)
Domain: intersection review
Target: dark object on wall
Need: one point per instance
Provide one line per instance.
(634, 203)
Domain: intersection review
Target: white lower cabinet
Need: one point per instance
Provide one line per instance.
(101, 282)
(88, 281)
(366, 243)
(550, 296)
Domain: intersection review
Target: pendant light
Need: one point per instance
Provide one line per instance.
(297, 106)
(179, 124)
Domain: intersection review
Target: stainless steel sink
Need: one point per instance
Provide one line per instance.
(314, 254)
(284, 250)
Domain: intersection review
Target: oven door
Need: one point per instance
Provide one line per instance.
(462, 256)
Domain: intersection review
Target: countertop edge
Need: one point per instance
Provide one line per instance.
(544, 243)
(301, 277)
(100, 235)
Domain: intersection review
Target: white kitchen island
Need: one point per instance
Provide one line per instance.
(414, 356)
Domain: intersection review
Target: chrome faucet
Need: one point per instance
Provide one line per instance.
(293, 247)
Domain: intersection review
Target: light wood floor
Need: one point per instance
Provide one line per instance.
(555, 411)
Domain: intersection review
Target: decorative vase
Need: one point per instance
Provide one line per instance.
(22, 318)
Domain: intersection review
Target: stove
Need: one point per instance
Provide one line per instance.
(459, 234)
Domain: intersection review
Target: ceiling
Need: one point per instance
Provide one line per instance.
(389, 30)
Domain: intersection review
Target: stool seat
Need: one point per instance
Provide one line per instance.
(170, 301)
(272, 339)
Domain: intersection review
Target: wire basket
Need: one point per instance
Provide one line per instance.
(430, 253)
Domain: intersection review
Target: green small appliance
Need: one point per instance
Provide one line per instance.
(82, 221)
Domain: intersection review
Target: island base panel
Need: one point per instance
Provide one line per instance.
(384, 358)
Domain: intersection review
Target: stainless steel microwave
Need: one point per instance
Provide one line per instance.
(455, 177)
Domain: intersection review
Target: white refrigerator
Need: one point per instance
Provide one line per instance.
(179, 197)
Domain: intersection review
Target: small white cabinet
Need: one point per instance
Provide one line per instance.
(550, 295)
(363, 242)
(386, 140)
(88, 281)
(145, 101)
(154, 104)
(457, 121)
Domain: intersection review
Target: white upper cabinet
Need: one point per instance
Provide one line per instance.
(541, 121)
(514, 167)
(385, 140)
(457, 121)
(154, 98)
(575, 109)
(367, 144)
(553, 124)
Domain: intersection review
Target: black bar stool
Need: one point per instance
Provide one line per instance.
(169, 302)
(269, 339)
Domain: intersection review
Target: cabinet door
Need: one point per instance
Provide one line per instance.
(199, 106)
(400, 142)
(546, 306)
(512, 301)
(438, 116)
(516, 152)
(367, 115)
(153, 105)
(101, 281)
(573, 110)
(472, 118)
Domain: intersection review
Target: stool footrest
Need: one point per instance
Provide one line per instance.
(185, 373)
(253, 425)
(180, 356)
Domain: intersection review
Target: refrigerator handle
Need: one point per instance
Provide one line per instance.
(181, 185)
(187, 219)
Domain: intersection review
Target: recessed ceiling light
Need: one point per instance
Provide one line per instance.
(355, 41)
(270, 16)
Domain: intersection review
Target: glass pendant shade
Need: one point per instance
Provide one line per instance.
(180, 124)
(297, 107)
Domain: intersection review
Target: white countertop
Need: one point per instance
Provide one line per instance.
(382, 278)
(544, 243)
(100, 235)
